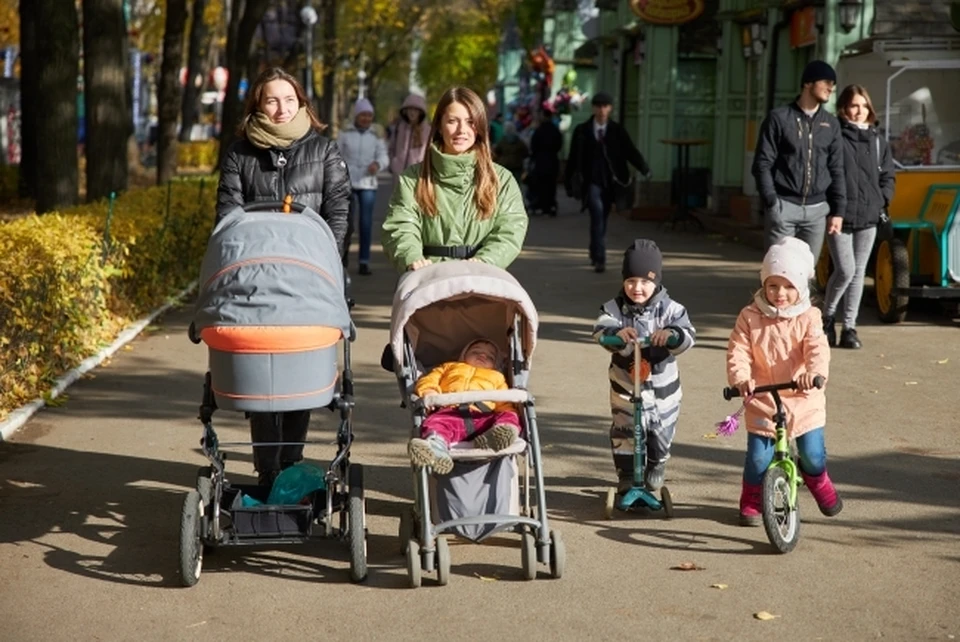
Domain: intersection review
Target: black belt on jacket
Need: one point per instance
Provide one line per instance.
(451, 251)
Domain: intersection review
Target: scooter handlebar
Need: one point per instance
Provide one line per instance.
(615, 342)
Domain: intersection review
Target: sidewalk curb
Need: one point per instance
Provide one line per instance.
(17, 418)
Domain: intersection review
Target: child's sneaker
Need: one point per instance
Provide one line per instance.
(497, 438)
(654, 475)
(432, 452)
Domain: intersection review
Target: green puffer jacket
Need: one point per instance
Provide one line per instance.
(406, 230)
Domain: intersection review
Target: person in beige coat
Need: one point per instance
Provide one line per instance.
(779, 338)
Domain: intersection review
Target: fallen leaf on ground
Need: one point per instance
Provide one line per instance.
(888, 367)
(687, 566)
(763, 615)
(55, 402)
(487, 579)
(909, 383)
(718, 586)
(942, 361)
(128, 347)
(875, 391)
(710, 435)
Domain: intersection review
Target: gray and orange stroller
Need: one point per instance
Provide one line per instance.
(436, 311)
(272, 310)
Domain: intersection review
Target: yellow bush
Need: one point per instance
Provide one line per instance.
(196, 154)
(69, 281)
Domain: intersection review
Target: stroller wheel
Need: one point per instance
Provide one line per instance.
(528, 556)
(667, 502)
(407, 527)
(443, 561)
(558, 555)
(191, 549)
(357, 527)
(413, 563)
(610, 502)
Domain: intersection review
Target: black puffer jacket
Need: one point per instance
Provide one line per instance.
(799, 158)
(868, 166)
(311, 170)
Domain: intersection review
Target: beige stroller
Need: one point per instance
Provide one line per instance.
(437, 310)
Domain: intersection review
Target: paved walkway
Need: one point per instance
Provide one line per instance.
(91, 492)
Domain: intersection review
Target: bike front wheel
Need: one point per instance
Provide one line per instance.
(781, 520)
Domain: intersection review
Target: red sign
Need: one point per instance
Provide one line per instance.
(667, 12)
(803, 27)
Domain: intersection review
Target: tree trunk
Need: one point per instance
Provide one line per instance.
(168, 98)
(29, 96)
(195, 56)
(327, 114)
(56, 114)
(107, 99)
(245, 16)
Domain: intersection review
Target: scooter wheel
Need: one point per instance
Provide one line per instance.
(610, 503)
(667, 502)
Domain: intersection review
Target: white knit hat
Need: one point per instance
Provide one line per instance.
(362, 106)
(792, 259)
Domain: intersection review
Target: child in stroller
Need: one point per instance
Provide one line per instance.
(493, 427)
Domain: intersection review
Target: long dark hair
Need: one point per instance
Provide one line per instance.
(252, 105)
(846, 97)
(485, 176)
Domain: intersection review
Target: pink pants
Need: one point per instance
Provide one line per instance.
(449, 424)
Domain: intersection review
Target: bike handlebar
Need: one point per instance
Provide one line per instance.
(730, 393)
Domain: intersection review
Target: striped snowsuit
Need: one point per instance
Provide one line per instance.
(661, 393)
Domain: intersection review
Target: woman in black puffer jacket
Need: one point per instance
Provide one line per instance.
(281, 152)
(869, 171)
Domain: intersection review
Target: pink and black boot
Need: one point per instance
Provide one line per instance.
(751, 498)
(824, 492)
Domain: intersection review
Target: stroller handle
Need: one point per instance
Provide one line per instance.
(730, 393)
(272, 206)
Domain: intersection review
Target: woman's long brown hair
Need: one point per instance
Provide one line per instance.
(846, 97)
(252, 105)
(485, 176)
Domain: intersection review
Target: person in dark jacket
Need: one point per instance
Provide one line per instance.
(281, 152)
(798, 163)
(870, 179)
(511, 151)
(599, 152)
(545, 147)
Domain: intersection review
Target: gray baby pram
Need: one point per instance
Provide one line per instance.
(436, 311)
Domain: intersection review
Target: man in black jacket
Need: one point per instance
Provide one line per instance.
(599, 152)
(798, 163)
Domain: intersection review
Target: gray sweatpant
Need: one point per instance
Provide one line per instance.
(850, 252)
(806, 222)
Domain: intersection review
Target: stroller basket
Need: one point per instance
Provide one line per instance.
(274, 521)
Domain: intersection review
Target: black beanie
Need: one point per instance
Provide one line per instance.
(601, 99)
(643, 259)
(817, 70)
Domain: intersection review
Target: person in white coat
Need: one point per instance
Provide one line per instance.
(364, 148)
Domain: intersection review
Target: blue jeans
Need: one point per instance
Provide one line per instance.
(813, 455)
(362, 202)
(599, 201)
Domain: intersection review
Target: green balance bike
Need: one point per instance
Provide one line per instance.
(780, 508)
(638, 496)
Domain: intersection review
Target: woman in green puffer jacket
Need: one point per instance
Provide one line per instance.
(457, 203)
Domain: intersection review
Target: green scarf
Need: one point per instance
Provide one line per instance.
(264, 133)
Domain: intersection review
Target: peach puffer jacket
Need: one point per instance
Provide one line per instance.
(777, 350)
(456, 376)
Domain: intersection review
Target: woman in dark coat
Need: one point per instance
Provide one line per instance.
(869, 170)
(281, 152)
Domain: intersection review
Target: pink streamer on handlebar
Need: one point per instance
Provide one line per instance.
(730, 424)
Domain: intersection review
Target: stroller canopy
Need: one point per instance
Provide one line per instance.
(444, 306)
(272, 269)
